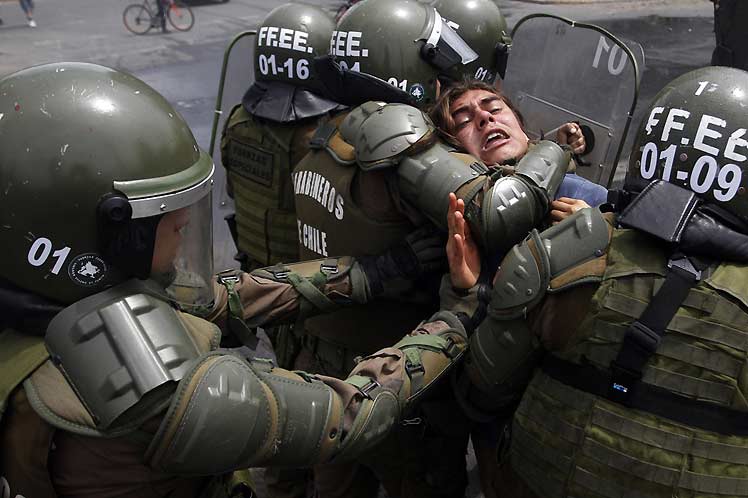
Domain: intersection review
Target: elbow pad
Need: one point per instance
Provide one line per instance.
(516, 204)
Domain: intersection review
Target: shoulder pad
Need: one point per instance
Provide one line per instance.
(118, 346)
(327, 136)
(567, 254)
(382, 134)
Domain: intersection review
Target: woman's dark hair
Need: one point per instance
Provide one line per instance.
(443, 118)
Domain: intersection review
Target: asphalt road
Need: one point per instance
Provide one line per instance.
(676, 36)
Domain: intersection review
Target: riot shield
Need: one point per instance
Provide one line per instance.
(237, 75)
(561, 71)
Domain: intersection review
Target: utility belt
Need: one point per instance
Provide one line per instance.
(647, 397)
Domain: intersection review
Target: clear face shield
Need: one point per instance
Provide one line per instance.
(444, 48)
(182, 260)
(185, 239)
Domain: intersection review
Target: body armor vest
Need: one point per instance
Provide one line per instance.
(259, 156)
(332, 222)
(568, 442)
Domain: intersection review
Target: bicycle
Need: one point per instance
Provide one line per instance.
(140, 18)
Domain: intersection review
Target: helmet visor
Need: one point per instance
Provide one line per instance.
(183, 256)
(444, 48)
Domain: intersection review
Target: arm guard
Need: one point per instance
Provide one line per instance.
(228, 413)
(500, 215)
(503, 350)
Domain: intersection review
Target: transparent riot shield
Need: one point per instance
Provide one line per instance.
(561, 71)
(237, 75)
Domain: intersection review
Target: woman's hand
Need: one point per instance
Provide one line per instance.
(563, 207)
(462, 252)
(571, 134)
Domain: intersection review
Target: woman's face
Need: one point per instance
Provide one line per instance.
(487, 128)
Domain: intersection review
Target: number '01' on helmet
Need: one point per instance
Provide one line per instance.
(91, 160)
(694, 135)
(404, 43)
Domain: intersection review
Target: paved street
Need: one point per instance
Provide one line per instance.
(676, 36)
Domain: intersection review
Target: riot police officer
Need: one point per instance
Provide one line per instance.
(269, 132)
(263, 139)
(109, 388)
(356, 196)
(632, 341)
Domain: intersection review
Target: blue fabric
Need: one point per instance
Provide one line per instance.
(576, 187)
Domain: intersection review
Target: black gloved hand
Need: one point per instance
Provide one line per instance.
(423, 251)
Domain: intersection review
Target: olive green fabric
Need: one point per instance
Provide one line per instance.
(343, 210)
(570, 443)
(20, 354)
(259, 156)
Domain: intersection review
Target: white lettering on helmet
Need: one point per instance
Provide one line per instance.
(346, 44)
(290, 39)
(672, 124)
(651, 120)
(736, 140)
(705, 132)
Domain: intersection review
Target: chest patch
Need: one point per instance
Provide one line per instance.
(252, 163)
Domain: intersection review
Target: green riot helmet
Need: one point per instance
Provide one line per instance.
(404, 43)
(94, 164)
(287, 41)
(694, 136)
(481, 24)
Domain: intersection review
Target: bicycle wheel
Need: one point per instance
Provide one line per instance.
(180, 16)
(137, 19)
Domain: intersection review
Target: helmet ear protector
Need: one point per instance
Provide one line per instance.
(125, 242)
(114, 208)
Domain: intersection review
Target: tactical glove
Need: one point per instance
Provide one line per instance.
(422, 252)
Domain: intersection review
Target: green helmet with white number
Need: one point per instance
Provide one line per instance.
(287, 41)
(694, 135)
(91, 161)
(404, 43)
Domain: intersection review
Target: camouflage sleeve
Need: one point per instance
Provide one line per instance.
(283, 293)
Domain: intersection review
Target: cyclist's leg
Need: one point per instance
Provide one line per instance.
(161, 13)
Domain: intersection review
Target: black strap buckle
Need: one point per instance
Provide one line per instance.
(684, 264)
